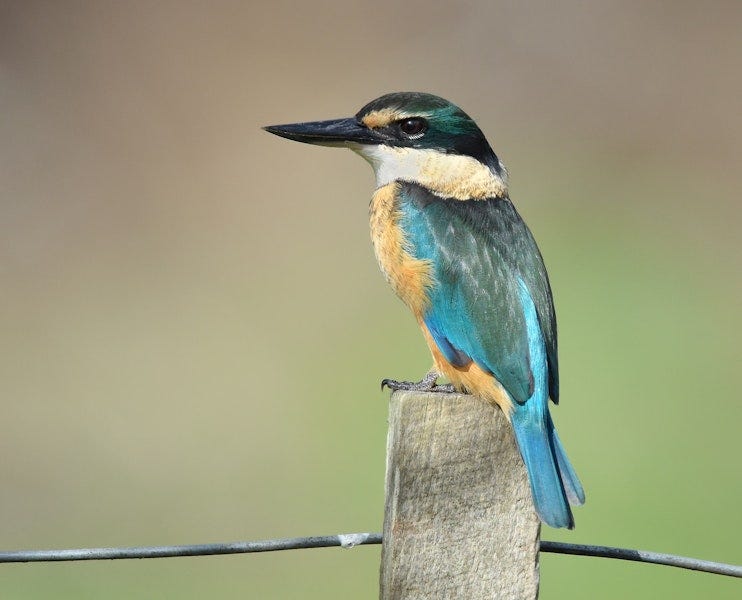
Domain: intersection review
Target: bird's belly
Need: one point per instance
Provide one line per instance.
(409, 277)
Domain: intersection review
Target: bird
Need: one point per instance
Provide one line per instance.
(452, 246)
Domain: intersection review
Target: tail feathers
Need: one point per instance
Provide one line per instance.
(554, 484)
(570, 481)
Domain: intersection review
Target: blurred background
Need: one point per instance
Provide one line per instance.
(194, 327)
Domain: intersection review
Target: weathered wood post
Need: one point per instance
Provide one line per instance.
(458, 522)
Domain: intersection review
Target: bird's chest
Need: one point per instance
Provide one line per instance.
(410, 277)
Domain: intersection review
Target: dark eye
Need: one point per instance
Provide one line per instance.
(413, 127)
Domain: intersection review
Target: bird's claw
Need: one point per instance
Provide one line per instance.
(395, 385)
(426, 384)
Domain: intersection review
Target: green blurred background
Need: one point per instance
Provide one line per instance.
(194, 327)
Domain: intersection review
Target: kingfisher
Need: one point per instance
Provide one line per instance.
(455, 250)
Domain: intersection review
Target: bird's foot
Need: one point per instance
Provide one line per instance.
(426, 384)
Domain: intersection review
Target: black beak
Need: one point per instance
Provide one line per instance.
(336, 132)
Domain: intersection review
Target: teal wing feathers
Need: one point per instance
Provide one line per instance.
(480, 250)
(491, 303)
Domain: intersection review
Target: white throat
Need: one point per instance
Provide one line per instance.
(447, 175)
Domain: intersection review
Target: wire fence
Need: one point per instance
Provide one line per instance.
(345, 540)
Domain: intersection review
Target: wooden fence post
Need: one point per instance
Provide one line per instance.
(459, 522)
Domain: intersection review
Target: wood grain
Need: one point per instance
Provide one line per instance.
(459, 521)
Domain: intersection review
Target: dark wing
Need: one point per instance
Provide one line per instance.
(481, 250)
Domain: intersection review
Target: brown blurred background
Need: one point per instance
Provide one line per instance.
(194, 327)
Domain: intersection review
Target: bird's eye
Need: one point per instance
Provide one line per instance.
(413, 127)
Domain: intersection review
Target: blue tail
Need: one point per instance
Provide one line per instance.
(554, 483)
(570, 481)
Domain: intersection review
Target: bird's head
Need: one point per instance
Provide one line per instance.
(417, 137)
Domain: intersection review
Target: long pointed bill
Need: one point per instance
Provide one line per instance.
(336, 132)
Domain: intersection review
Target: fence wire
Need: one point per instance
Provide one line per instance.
(346, 540)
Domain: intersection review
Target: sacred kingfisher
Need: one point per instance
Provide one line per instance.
(452, 246)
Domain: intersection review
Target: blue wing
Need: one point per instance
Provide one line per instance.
(492, 304)
(480, 250)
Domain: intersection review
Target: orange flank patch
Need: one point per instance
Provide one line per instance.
(409, 277)
(470, 378)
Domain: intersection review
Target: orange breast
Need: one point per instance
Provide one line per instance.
(409, 277)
